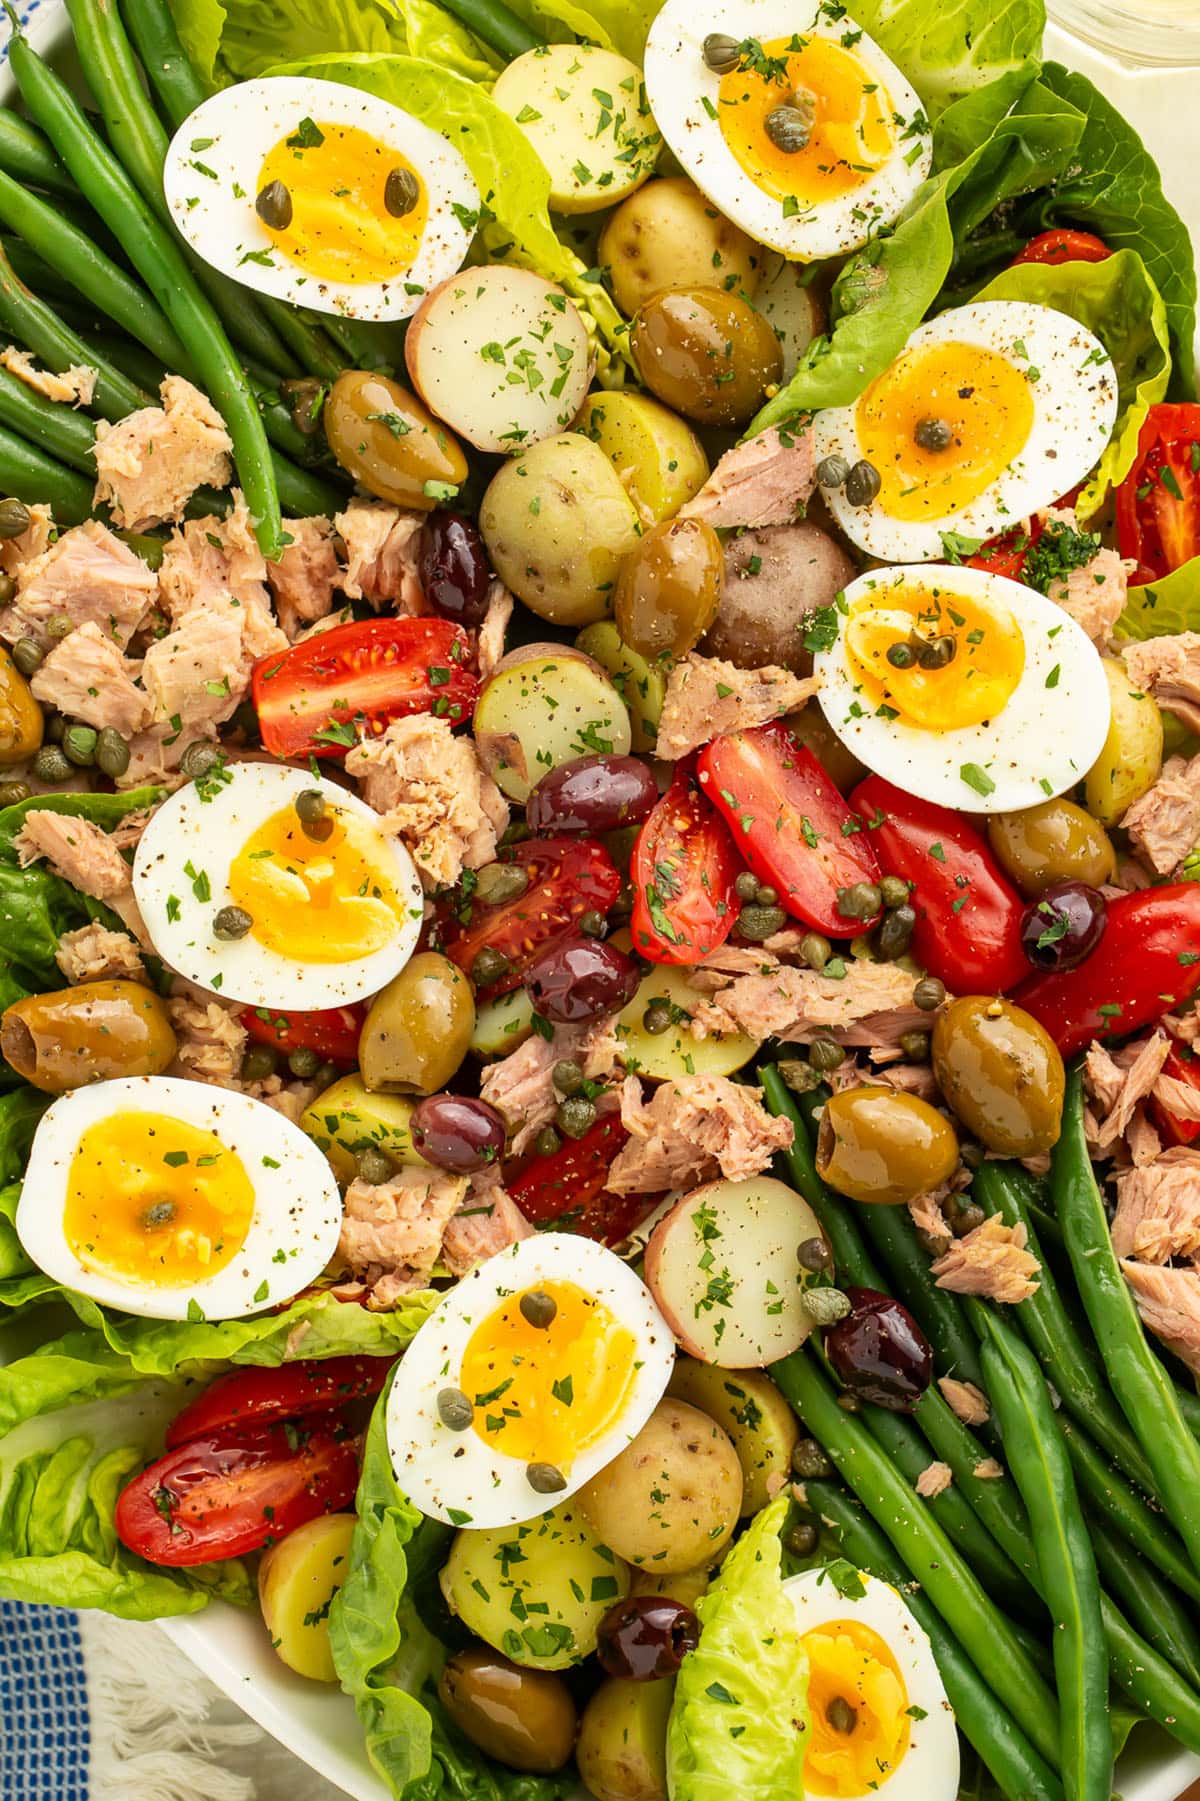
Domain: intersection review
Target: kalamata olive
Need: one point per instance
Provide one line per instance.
(390, 442)
(1064, 926)
(645, 1637)
(707, 354)
(877, 1145)
(880, 1352)
(523, 1718)
(457, 1133)
(578, 978)
(669, 587)
(593, 795)
(452, 567)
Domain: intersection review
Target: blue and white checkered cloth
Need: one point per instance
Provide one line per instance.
(44, 1724)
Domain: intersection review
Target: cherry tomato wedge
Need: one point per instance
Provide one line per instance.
(321, 697)
(568, 1187)
(567, 877)
(1064, 245)
(1158, 503)
(1147, 962)
(229, 1493)
(683, 868)
(1006, 554)
(790, 823)
(968, 930)
(251, 1397)
(1182, 1065)
(330, 1031)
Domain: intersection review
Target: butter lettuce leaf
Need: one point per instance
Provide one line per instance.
(948, 48)
(740, 1715)
(1163, 607)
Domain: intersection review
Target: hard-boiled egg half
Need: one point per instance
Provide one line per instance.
(242, 895)
(963, 687)
(879, 1719)
(321, 194)
(990, 412)
(532, 1375)
(791, 120)
(176, 1200)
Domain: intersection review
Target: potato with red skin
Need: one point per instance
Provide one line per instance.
(671, 1499)
(775, 579)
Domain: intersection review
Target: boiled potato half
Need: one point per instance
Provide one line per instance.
(794, 310)
(297, 1581)
(668, 235)
(501, 1025)
(622, 1748)
(641, 685)
(546, 704)
(665, 1056)
(348, 1117)
(585, 112)
(761, 1426)
(1131, 757)
(671, 1499)
(657, 455)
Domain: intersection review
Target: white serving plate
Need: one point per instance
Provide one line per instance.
(317, 1723)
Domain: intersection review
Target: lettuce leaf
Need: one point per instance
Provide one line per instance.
(201, 24)
(248, 36)
(948, 48)
(1118, 301)
(1167, 606)
(20, 1111)
(741, 1696)
(437, 36)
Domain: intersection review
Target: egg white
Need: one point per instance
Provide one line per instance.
(209, 834)
(297, 1210)
(455, 1476)
(930, 1767)
(679, 83)
(1074, 411)
(1040, 744)
(210, 179)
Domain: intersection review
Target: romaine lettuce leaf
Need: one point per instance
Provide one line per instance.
(951, 47)
(741, 1698)
(1163, 607)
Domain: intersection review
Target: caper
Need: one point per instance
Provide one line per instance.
(545, 1478)
(966, 1219)
(498, 883)
(455, 1409)
(895, 932)
(814, 1254)
(200, 758)
(826, 1305)
(832, 471)
(313, 814)
(15, 518)
(374, 1166)
(593, 924)
(801, 1539)
(53, 727)
(326, 1073)
(849, 1403)
(721, 53)
(826, 1054)
(304, 397)
(159, 1213)
(79, 745)
(760, 923)
(862, 900)
(112, 753)
(231, 923)
(488, 966)
(657, 1018)
(50, 765)
(862, 484)
(938, 652)
(800, 1077)
(401, 192)
(575, 1116)
(815, 950)
(547, 1142)
(915, 1046)
(933, 434)
(809, 1461)
(538, 1307)
(901, 654)
(27, 654)
(273, 204)
(768, 897)
(841, 1716)
(13, 793)
(8, 587)
(59, 626)
(304, 1063)
(567, 1077)
(893, 891)
(259, 1063)
(789, 128)
(929, 994)
(746, 885)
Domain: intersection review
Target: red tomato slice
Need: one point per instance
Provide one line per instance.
(683, 869)
(567, 878)
(789, 822)
(321, 697)
(230, 1493)
(246, 1397)
(1063, 245)
(1158, 503)
(1183, 1066)
(331, 1031)
(567, 1188)
(1006, 554)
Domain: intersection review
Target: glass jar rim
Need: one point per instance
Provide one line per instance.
(1168, 35)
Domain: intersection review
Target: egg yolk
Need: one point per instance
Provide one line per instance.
(316, 901)
(545, 1394)
(858, 1704)
(939, 660)
(340, 227)
(980, 408)
(851, 130)
(155, 1200)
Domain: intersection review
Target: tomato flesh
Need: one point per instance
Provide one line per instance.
(567, 878)
(1174, 1128)
(321, 697)
(245, 1397)
(330, 1031)
(683, 869)
(1064, 245)
(1158, 503)
(568, 1187)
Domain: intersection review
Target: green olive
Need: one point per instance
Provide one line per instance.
(386, 439)
(1001, 1073)
(73, 1036)
(20, 715)
(875, 1144)
(1055, 841)
(525, 1719)
(418, 1029)
(669, 588)
(706, 353)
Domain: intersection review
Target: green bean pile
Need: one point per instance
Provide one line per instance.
(1090, 1581)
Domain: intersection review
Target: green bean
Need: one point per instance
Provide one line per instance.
(987, 1726)
(948, 1580)
(29, 321)
(307, 342)
(1070, 1363)
(1152, 1604)
(850, 1255)
(25, 154)
(1139, 1381)
(134, 361)
(1189, 1407)
(62, 430)
(157, 259)
(29, 475)
(1066, 1561)
(1108, 1494)
(369, 344)
(496, 26)
(891, 1231)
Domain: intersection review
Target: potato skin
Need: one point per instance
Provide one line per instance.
(746, 1404)
(668, 235)
(672, 1498)
(297, 1578)
(774, 578)
(622, 1748)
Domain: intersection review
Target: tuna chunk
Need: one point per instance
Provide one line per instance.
(210, 1038)
(964, 1399)
(93, 953)
(77, 851)
(934, 1480)
(488, 1221)
(1168, 669)
(764, 481)
(489, 646)
(381, 555)
(433, 793)
(692, 1131)
(1158, 1208)
(71, 387)
(212, 559)
(392, 1231)
(991, 1261)
(150, 463)
(198, 674)
(774, 581)
(87, 574)
(707, 697)
(305, 577)
(1093, 595)
(794, 1003)
(1164, 824)
(1169, 1303)
(520, 1084)
(86, 677)
(1136, 1070)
